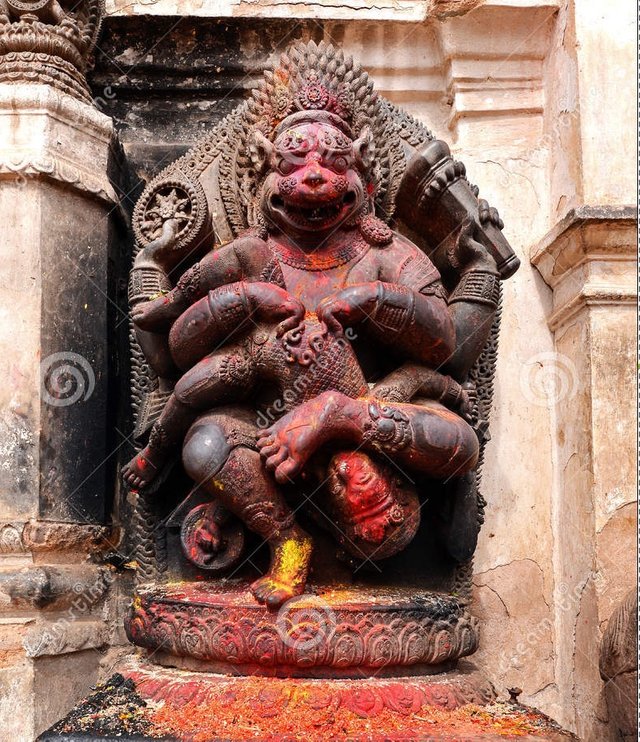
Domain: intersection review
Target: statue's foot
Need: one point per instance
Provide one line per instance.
(272, 593)
(289, 443)
(143, 468)
(287, 576)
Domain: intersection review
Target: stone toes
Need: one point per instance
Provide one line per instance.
(274, 461)
(277, 597)
(260, 590)
(286, 471)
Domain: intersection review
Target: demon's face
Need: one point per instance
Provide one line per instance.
(315, 177)
(378, 518)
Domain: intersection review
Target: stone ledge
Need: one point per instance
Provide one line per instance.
(183, 706)
(416, 11)
(589, 259)
(55, 587)
(51, 536)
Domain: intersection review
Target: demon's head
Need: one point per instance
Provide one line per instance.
(316, 176)
(378, 514)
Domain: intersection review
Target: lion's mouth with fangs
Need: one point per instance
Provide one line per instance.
(317, 214)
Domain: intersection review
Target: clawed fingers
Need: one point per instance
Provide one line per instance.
(495, 218)
(288, 324)
(326, 316)
(490, 214)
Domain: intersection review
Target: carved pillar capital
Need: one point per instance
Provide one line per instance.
(47, 135)
(47, 41)
(494, 57)
(588, 259)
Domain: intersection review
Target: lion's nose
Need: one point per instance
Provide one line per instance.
(313, 178)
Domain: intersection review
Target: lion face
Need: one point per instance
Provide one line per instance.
(315, 178)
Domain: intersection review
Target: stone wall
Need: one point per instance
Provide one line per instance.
(535, 97)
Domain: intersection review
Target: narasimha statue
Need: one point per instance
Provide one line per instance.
(314, 304)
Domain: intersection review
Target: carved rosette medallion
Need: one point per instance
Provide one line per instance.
(177, 198)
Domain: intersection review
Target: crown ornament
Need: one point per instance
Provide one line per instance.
(317, 82)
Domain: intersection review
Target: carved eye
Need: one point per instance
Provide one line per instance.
(285, 166)
(340, 164)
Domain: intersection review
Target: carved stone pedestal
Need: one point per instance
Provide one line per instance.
(311, 703)
(335, 633)
(352, 652)
(145, 701)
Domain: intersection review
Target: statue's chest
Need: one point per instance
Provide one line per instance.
(306, 361)
(313, 276)
(311, 287)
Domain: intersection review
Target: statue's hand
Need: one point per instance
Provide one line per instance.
(489, 214)
(272, 304)
(469, 403)
(468, 254)
(155, 315)
(156, 252)
(349, 306)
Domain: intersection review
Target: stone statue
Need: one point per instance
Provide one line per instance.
(313, 342)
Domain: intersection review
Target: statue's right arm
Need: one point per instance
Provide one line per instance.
(242, 259)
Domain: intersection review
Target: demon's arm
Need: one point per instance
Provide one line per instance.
(473, 302)
(410, 314)
(414, 380)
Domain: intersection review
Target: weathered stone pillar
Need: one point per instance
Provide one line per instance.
(589, 262)
(56, 295)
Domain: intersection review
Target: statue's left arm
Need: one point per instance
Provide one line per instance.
(472, 303)
(417, 325)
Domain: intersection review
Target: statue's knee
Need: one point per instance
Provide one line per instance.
(447, 443)
(205, 451)
(466, 457)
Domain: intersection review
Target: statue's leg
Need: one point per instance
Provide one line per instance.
(427, 438)
(221, 377)
(219, 455)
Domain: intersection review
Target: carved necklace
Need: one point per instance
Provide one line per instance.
(322, 259)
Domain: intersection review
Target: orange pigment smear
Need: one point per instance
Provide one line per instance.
(246, 717)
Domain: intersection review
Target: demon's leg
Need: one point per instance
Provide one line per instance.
(220, 378)
(427, 438)
(218, 458)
